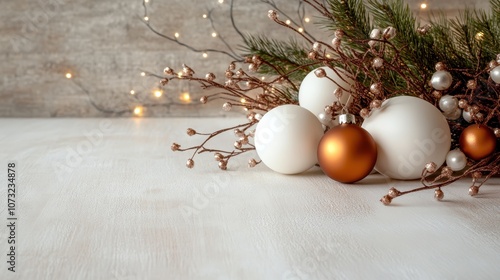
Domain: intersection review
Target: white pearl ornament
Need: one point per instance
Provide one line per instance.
(287, 138)
(441, 80)
(495, 74)
(316, 93)
(409, 133)
(456, 160)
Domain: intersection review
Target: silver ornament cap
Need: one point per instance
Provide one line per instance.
(347, 118)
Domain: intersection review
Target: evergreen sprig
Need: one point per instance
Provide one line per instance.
(284, 55)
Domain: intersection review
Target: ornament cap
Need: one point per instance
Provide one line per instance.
(347, 118)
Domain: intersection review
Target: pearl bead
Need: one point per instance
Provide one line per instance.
(442, 80)
(375, 34)
(466, 115)
(456, 160)
(453, 115)
(324, 118)
(495, 74)
(377, 62)
(336, 42)
(448, 104)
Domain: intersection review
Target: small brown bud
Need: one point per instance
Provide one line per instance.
(393, 192)
(431, 167)
(386, 200)
(339, 34)
(440, 66)
(168, 71)
(471, 84)
(462, 103)
(252, 163)
(223, 165)
(272, 14)
(446, 171)
(210, 77)
(218, 156)
(375, 104)
(438, 194)
(175, 147)
(473, 190)
(320, 73)
(237, 145)
(437, 94)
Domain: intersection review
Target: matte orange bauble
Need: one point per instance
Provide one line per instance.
(477, 141)
(347, 153)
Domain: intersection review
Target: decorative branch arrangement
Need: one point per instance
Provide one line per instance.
(452, 64)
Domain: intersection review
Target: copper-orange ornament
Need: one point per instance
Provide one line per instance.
(347, 153)
(477, 141)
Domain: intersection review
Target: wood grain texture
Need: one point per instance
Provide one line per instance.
(107, 199)
(105, 45)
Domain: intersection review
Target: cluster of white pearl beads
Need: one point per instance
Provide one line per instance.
(449, 105)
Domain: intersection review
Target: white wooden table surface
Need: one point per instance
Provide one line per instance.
(123, 206)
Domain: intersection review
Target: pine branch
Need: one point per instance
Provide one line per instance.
(285, 56)
(397, 14)
(351, 17)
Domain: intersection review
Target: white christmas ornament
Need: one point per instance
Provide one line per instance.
(410, 133)
(495, 74)
(287, 138)
(456, 160)
(317, 93)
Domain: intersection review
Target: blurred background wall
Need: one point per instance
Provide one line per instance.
(104, 46)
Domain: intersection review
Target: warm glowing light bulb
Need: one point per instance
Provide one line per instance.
(179, 74)
(221, 1)
(177, 35)
(423, 6)
(287, 21)
(263, 78)
(143, 74)
(300, 29)
(479, 36)
(205, 55)
(158, 93)
(138, 110)
(204, 15)
(132, 92)
(185, 97)
(146, 1)
(243, 100)
(68, 75)
(214, 34)
(307, 19)
(146, 18)
(328, 55)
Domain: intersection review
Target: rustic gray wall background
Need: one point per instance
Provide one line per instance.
(105, 46)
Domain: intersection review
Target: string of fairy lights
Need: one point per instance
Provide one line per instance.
(184, 96)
